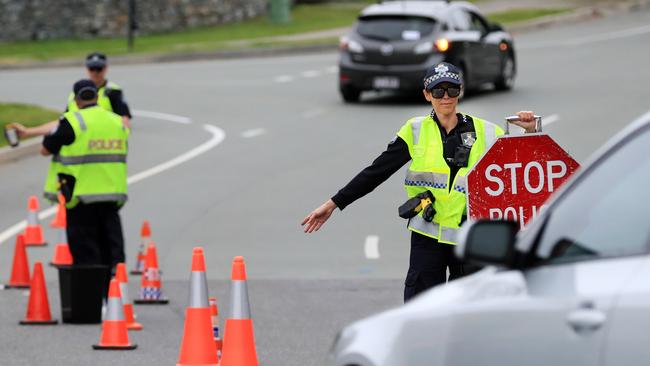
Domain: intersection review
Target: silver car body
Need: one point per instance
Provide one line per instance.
(590, 311)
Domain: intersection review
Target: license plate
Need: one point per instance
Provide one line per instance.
(385, 82)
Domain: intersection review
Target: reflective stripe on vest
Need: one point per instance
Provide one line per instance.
(92, 158)
(426, 179)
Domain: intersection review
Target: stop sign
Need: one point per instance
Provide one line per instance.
(516, 176)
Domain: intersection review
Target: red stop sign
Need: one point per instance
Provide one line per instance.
(516, 176)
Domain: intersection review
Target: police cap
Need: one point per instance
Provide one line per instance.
(84, 89)
(441, 73)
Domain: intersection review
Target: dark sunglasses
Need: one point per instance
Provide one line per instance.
(452, 91)
(96, 69)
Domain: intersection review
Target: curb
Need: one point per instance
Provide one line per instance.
(28, 147)
(580, 14)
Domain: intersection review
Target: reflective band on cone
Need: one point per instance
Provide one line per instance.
(33, 230)
(198, 347)
(239, 340)
(145, 239)
(114, 333)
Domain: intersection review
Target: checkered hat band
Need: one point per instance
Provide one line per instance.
(441, 75)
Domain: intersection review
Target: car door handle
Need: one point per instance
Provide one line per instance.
(586, 320)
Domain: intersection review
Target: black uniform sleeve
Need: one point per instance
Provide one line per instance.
(390, 161)
(118, 103)
(62, 135)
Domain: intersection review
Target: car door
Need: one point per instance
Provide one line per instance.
(586, 281)
(469, 42)
(487, 48)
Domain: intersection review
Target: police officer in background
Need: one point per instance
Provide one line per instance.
(442, 148)
(91, 145)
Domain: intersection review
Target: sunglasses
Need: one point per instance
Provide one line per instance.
(96, 69)
(452, 91)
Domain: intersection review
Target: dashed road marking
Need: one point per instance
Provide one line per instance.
(253, 133)
(283, 79)
(332, 70)
(371, 247)
(310, 74)
(163, 116)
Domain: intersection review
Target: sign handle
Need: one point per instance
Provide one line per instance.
(511, 119)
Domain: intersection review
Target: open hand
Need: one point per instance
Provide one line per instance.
(317, 218)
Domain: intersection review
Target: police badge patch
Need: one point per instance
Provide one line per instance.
(468, 138)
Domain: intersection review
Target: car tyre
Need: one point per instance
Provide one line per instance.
(350, 94)
(506, 80)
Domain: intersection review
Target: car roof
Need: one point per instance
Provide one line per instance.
(431, 9)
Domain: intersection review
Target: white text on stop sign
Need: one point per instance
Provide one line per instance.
(554, 169)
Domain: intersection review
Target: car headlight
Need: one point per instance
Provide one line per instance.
(355, 47)
(424, 47)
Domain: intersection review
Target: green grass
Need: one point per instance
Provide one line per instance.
(524, 14)
(26, 114)
(305, 18)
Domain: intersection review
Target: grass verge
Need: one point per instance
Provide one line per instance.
(305, 18)
(518, 15)
(26, 114)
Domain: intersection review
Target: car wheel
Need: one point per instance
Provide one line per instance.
(350, 94)
(507, 78)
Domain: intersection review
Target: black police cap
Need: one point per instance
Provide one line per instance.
(96, 59)
(84, 89)
(441, 73)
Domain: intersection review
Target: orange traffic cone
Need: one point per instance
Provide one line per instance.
(239, 340)
(60, 218)
(20, 268)
(151, 284)
(62, 255)
(33, 231)
(38, 307)
(145, 239)
(197, 347)
(114, 333)
(129, 317)
(214, 310)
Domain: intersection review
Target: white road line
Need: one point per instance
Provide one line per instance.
(550, 119)
(332, 70)
(572, 42)
(253, 133)
(163, 116)
(371, 248)
(218, 135)
(283, 79)
(312, 113)
(310, 74)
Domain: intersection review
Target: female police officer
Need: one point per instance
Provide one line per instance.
(442, 148)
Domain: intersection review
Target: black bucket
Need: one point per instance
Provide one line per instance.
(82, 288)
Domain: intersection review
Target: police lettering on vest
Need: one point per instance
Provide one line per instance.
(104, 144)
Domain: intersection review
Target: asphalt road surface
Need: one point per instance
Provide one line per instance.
(231, 155)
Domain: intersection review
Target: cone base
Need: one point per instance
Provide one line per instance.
(38, 322)
(43, 244)
(115, 348)
(134, 326)
(151, 302)
(10, 287)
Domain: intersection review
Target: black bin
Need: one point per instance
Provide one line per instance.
(82, 288)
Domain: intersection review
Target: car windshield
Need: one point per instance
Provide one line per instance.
(395, 28)
(605, 213)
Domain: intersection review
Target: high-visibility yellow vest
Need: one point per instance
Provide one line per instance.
(429, 171)
(97, 157)
(51, 181)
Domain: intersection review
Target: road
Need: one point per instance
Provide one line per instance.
(282, 142)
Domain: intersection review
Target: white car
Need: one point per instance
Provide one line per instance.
(573, 289)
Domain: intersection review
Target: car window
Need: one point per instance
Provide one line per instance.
(462, 20)
(395, 28)
(477, 23)
(606, 213)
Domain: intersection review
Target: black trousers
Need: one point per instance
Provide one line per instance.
(428, 265)
(95, 234)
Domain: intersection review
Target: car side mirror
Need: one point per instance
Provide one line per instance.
(488, 242)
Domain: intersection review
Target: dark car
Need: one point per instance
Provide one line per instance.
(393, 43)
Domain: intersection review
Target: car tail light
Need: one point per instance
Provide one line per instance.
(503, 46)
(442, 45)
(347, 44)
